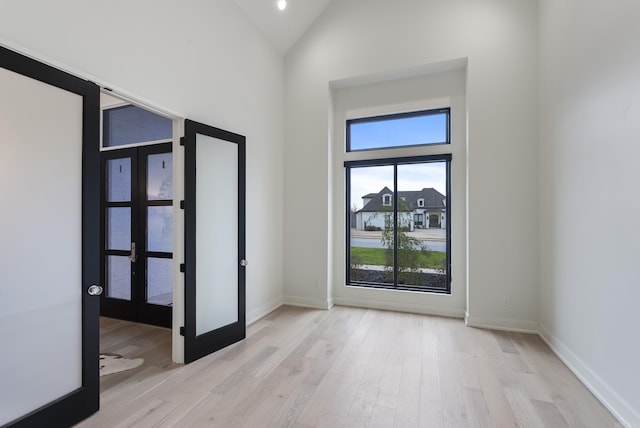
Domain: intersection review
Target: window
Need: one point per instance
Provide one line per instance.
(398, 208)
(390, 246)
(426, 127)
(131, 124)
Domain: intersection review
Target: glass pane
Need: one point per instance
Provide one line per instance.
(401, 130)
(160, 229)
(119, 277)
(217, 240)
(371, 225)
(131, 124)
(119, 228)
(422, 223)
(160, 281)
(119, 180)
(41, 253)
(160, 177)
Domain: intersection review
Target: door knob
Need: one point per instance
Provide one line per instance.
(95, 290)
(243, 262)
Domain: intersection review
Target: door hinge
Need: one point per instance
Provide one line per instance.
(181, 331)
(183, 268)
(182, 204)
(182, 141)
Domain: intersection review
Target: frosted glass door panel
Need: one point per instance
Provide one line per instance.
(119, 180)
(160, 176)
(160, 229)
(40, 255)
(217, 239)
(119, 277)
(160, 281)
(119, 228)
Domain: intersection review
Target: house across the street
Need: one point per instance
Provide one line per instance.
(417, 209)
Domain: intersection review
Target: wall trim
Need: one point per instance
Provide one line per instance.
(263, 310)
(305, 302)
(385, 305)
(598, 387)
(504, 324)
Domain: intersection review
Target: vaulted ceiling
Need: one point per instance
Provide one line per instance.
(283, 28)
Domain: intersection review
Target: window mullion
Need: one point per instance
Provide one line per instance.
(395, 224)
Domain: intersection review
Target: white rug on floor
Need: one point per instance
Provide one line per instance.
(113, 363)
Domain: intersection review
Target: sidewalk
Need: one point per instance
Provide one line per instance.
(421, 234)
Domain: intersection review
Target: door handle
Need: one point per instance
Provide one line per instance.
(133, 256)
(243, 263)
(95, 290)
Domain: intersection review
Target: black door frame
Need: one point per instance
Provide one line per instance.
(137, 309)
(83, 402)
(197, 346)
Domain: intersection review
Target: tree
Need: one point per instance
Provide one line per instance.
(410, 249)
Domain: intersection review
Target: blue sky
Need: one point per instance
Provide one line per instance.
(409, 131)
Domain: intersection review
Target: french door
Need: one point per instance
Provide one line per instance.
(215, 261)
(137, 233)
(49, 134)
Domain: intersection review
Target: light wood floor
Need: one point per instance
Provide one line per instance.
(133, 340)
(347, 367)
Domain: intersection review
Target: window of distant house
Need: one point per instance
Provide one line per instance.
(398, 210)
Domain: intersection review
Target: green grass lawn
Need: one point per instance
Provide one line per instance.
(375, 256)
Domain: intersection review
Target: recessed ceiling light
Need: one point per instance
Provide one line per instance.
(282, 4)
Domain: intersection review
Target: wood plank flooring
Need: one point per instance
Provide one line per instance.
(346, 367)
(133, 340)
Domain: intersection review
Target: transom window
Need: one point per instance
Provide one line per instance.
(425, 127)
(130, 124)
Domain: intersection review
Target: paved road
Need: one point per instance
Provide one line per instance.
(376, 243)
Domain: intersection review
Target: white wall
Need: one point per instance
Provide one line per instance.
(199, 59)
(589, 187)
(362, 37)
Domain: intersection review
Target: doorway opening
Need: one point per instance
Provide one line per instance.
(136, 235)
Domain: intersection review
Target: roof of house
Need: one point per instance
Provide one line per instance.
(432, 199)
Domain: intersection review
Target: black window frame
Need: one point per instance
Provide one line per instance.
(395, 116)
(395, 162)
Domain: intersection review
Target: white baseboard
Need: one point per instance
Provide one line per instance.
(255, 314)
(628, 416)
(400, 307)
(504, 324)
(305, 302)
